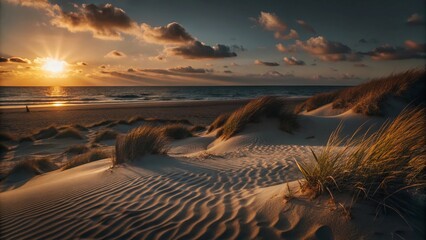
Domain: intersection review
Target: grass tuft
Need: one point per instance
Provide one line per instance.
(69, 132)
(26, 139)
(91, 156)
(197, 128)
(32, 165)
(46, 133)
(379, 166)
(138, 142)
(77, 149)
(176, 131)
(218, 122)
(105, 135)
(254, 111)
(100, 123)
(369, 98)
(4, 136)
(3, 148)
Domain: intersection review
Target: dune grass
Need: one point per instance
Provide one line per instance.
(380, 166)
(5, 136)
(69, 132)
(3, 148)
(105, 135)
(271, 107)
(369, 98)
(77, 149)
(79, 127)
(138, 142)
(26, 139)
(32, 165)
(91, 156)
(176, 131)
(197, 128)
(218, 122)
(44, 133)
(100, 123)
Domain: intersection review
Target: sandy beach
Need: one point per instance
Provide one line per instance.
(17, 120)
(266, 168)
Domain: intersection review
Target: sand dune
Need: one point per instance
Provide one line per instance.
(247, 187)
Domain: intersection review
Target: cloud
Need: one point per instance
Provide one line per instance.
(320, 46)
(388, 52)
(104, 21)
(411, 45)
(293, 61)
(327, 50)
(291, 35)
(280, 47)
(190, 69)
(198, 50)
(306, 26)
(45, 5)
(415, 20)
(270, 64)
(81, 64)
(172, 33)
(3, 59)
(227, 71)
(271, 22)
(131, 70)
(115, 54)
(19, 60)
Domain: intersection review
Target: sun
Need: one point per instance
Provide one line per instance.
(54, 65)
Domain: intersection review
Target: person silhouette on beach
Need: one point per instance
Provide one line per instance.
(27, 108)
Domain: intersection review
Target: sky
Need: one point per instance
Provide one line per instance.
(198, 43)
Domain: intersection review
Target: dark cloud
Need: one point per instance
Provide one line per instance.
(293, 61)
(198, 50)
(173, 33)
(227, 71)
(306, 26)
(19, 60)
(321, 46)
(270, 64)
(115, 54)
(415, 20)
(81, 64)
(131, 70)
(2, 59)
(105, 21)
(189, 69)
(388, 52)
(327, 50)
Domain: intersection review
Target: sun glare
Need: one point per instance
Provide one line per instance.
(54, 65)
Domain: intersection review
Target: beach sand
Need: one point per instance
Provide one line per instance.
(246, 187)
(19, 122)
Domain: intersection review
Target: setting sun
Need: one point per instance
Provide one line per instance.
(53, 65)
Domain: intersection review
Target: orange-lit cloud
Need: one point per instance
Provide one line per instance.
(293, 61)
(270, 64)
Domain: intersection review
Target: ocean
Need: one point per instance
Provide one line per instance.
(21, 96)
